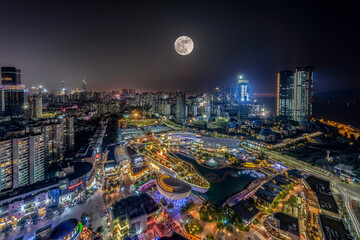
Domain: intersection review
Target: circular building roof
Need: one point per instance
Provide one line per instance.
(80, 169)
(172, 188)
(68, 229)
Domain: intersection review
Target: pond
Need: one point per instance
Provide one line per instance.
(224, 182)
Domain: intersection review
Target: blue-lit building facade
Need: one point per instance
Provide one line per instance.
(242, 96)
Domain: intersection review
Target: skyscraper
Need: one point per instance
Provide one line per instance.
(22, 160)
(35, 106)
(285, 102)
(217, 95)
(180, 107)
(6, 168)
(83, 85)
(242, 95)
(36, 158)
(62, 85)
(69, 134)
(20, 152)
(303, 89)
(242, 90)
(294, 94)
(10, 76)
(13, 99)
(2, 101)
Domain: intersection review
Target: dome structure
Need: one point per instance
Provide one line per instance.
(172, 188)
(69, 229)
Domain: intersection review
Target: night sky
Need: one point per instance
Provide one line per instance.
(117, 45)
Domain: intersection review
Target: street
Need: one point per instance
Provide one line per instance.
(94, 203)
(351, 192)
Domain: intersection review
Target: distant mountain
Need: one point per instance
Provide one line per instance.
(342, 106)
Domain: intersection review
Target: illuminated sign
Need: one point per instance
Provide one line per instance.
(76, 185)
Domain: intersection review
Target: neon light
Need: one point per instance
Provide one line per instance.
(76, 185)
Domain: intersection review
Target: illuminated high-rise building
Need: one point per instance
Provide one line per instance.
(285, 96)
(20, 152)
(180, 101)
(13, 99)
(68, 133)
(6, 168)
(10, 76)
(53, 142)
(34, 106)
(242, 95)
(242, 90)
(217, 95)
(2, 101)
(303, 91)
(83, 85)
(36, 158)
(294, 94)
(22, 160)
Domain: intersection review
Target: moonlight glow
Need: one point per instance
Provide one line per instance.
(184, 45)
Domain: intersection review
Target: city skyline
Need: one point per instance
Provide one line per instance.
(179, 120)
(126, 46)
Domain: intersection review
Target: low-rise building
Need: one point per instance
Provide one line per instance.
(333, 228)
(27, 200)
(247, 210)
(347, 172)
(319, 195)
(284, 225)
(288, 130)
(267, 192)
(68, 186)
(267, 135)
(132, 213)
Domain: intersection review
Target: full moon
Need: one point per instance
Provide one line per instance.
(184, 45)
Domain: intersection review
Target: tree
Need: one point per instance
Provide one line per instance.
(238, 217)
(183, 209)
(163, 202)
(229, 228)
(293, 201)
(100, 229)
(209, 236)
(170, 205)
(220, 225)
(83, 217)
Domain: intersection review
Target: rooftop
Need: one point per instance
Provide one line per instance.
(295, 173)
(333, 228)
(111, 155)
(174, 236)
(281, 180)
(265, 195)
(131, 152)
(80, 169)
(323, 192)
(65, 228)
(134, 206)
(288, 223)
(344, 167)
(172, 185)
(29, 188)
(246, 209)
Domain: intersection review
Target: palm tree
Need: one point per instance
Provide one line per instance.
(209, 236)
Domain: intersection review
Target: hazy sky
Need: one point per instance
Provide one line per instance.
(116, 45)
